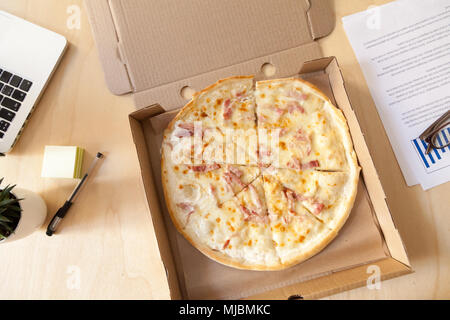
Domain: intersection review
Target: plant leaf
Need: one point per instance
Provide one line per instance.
(4, 203)
(6, 226)
(5, 219)
(14, 213)
(6, 192)
(9, 210)
(14, 208)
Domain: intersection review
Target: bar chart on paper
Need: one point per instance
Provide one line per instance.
(437, 159)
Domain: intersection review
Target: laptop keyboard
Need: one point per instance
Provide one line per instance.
(13, 90)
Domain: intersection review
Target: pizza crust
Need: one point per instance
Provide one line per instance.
(220, 254)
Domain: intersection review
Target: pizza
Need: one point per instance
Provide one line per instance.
(259, 175)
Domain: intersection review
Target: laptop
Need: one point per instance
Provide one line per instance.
(29, 55)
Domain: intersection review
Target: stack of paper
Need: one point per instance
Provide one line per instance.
(403, 48)
(62, 162)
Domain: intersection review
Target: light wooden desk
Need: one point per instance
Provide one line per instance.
(106, 247)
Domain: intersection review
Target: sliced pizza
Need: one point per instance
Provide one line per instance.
(259, 179)
(254, 241)
(297, 235)
(327, 196)
(300, 129)
(217, 126)
(237, 233)
(286, 103)
(232, 146)
(220, 182)
(227, 104)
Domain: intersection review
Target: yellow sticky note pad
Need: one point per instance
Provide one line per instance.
(62, 162)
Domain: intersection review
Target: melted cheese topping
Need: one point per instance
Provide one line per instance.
(302, 119)
(267, 181)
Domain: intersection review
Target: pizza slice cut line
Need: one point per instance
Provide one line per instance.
(218, 182)
(324, 195)
(307, 139)
(296, 233)
(236, 186)
(241, 225)
(253, 206)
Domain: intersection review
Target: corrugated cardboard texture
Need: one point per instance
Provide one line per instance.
(337, 281)
(166, 40)
(361, 241)
(155, 48)
(169, 95)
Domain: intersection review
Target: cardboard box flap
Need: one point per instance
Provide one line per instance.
(321, 18)
(148, 44)
(102, 24)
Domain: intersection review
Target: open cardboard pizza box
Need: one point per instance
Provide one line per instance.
(155, 49)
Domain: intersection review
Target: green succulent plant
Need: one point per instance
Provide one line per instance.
(10, 211)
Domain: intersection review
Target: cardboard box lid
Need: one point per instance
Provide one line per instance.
(146, 45)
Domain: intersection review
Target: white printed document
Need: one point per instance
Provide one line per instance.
(403, 48)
